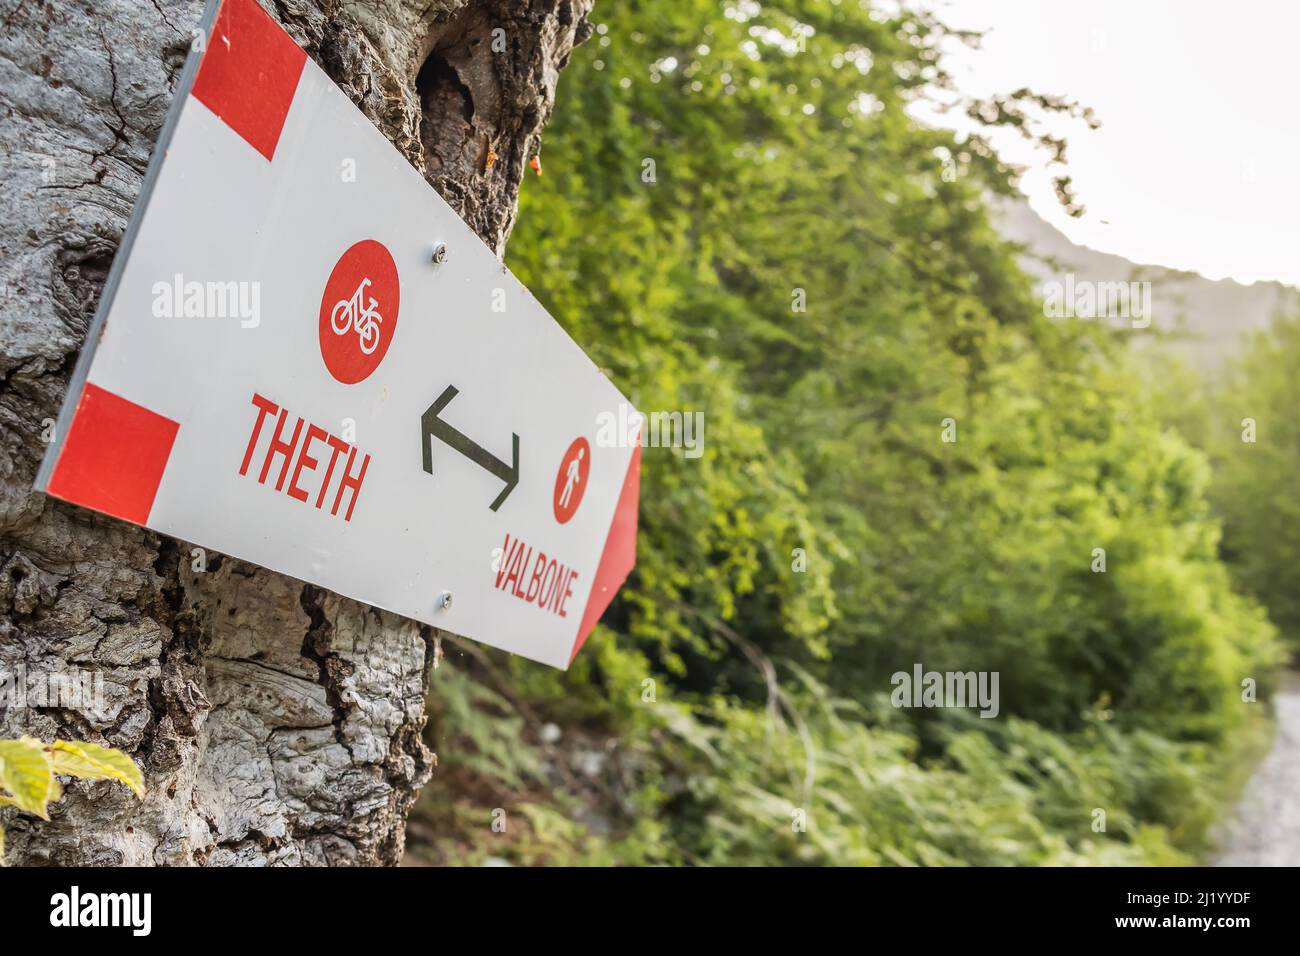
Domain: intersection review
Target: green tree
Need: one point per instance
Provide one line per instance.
(740, 215)
(1254, 435)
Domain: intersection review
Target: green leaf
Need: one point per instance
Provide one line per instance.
(93, 762)
(25, 773)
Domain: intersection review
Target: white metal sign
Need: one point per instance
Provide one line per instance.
(305, 359)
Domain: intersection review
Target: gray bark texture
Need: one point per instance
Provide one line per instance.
(276, 723)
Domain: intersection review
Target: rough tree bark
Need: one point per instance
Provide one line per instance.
(276, 723)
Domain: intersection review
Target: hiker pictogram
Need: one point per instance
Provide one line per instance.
(571, 480)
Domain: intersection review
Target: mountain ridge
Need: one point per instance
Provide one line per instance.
(1205, 320)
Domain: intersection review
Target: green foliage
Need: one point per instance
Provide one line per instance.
(788, 173)
(26, 778)
(825, 780)
(1255, 480)
(29, 772)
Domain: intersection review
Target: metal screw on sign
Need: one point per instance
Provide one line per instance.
(439, 253)
(444, 600)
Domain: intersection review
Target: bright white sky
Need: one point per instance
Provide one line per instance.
(1196, 163)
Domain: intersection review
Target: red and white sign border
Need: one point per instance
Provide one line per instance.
(109, 453)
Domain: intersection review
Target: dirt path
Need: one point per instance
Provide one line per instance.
(1265, 830)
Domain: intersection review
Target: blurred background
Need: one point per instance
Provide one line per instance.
(843, 231)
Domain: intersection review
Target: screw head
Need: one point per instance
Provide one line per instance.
(444, 600)
(439, 253)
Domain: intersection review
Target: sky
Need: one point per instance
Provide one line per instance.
(1195, 164)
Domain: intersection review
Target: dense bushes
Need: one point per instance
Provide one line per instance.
(826, 781)
(1253, 430)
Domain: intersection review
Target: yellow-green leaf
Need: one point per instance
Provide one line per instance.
(25, 773)
(2, 846)
(93, 762)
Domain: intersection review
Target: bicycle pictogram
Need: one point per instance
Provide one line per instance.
(351, 314)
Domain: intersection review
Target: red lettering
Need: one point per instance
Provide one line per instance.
(544, 582)
(568, 592)
(350, 482)
(535, 582)
(503, 560)
(523, 569)
(339, 445)
(265, 407)
(548, 588)
(513, 574)
(279, 447)
(313, 434)
(305, 463)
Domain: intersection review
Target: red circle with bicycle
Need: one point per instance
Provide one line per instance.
(358, 311)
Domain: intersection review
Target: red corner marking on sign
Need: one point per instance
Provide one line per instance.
(114, 456)
(249, 73)
(619, 556)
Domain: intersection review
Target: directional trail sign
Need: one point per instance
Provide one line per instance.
(282, 369)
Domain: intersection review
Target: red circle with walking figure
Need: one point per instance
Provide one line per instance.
(358, 311)
(571, 480)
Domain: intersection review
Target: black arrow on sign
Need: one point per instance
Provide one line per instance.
(431, 426)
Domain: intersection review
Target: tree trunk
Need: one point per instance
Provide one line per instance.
(275, 722)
